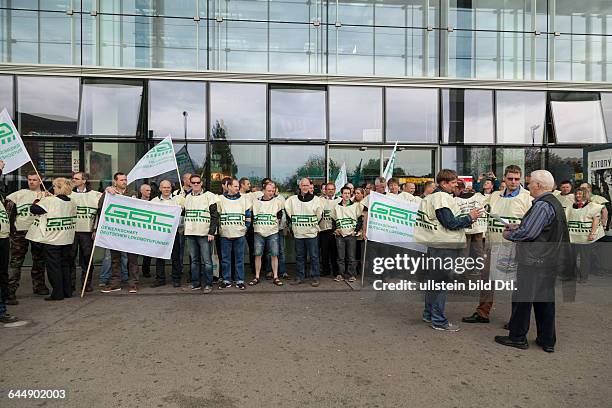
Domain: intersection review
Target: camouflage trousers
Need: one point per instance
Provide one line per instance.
(19, 249)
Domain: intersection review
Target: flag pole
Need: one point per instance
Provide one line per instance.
(363, 260)
(93, 249)
(38, 174)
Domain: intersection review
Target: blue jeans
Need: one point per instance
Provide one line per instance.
(105, 273)
(310, 245)
(281, 256)
(434, 308)
(201, 257)
(232, 248)
(435, 301)
(262, 243)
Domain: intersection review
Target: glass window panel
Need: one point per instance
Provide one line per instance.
(411, 163)
(355, 113)
(191, 158)
(238, 111)
(6, 94)
(47, 105)
(168, 103)
(102, 160)
(295, 48)
(52, 158)
(110, 107)
(578, 122)
(520, 117)
(353, 12)
(468, 161)
(302, 11)
(362, 165)
(297, 113)
(289, 163)
(239, 9)
(402, 51)
(351, 50)
(587, 17)
(581, 57)
(502, 15)
(174, 8)
(467, 116)
(239, 46)
(237, 160)
(412, 115)
(566, 164)
(528, 159)
(606, 107)
(21, 36)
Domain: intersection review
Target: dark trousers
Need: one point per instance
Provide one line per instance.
(250, 239)
(146, 265)
(83, 245)
(115, 281)
(177, 263)
(57, 260)
(220, 256)
(4, 262)
(329, 259)
(19, 249)
(535, 288)
(346, 247)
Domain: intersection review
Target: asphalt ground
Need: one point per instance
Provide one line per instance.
(331, 346)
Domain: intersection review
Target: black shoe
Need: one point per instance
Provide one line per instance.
(51, 298)
(224, 285)
(41, 291)
(475, 318)
(506, 341)
(548, 349)
(157, 284)
(240, 286)
(7, 318)
(11, 300)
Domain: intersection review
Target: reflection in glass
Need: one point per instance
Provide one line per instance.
(355, 113)
(289, 163)
(411, 163)
(412, 115)
(297, 113)
(238, 111)
(239, 46)
(6, 94)
(48, 105)
(468, 161)
(581, 57)
(501, 15)
(236, 160)
(528, 159)
(174, 8)
(577, 119)
(52, 158)
(362, 165)
(191, 158)
(110, 107)
(295, 48)
(585, 17)
(351, 50)
(176, 107)
(520, 117)
(405, 52)
(606, 108)
(565, 164)
(467, 116)
(102, 160)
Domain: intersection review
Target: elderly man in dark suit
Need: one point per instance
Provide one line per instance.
(542, 251)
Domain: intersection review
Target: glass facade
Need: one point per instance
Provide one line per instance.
(493, 39)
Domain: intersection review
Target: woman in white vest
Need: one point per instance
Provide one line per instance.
(54, 228)
(584, 224)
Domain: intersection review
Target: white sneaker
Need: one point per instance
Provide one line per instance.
(449, 327)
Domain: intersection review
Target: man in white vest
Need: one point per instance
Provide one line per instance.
(166, 198)
(5, 228)
(564, 194)
(511, 204)
(441, 227)
(86, 202)
(18, 207)
(327, 242)
(305, 211)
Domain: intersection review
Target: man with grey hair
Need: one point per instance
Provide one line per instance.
(542, 250)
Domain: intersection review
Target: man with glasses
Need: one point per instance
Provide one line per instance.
(511, 204)
(86, 202)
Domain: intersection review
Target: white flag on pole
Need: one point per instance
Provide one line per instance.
(160, 159)
(341, 180)
(391, 221)
(138, 226)
(12, 149)
(388, 173)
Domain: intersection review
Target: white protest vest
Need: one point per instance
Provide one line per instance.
(304, 216)
(466, 205)
(56, 226)
(197, 213)
(409, 197)
(326, 222)
(597, 199)
(428, 230)
(5, 226)
(232, 216)
(580, 222)
(23, 200)
(346, 217)
(87, 208)
(512, 209)
(265, 222)
(566, 201)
